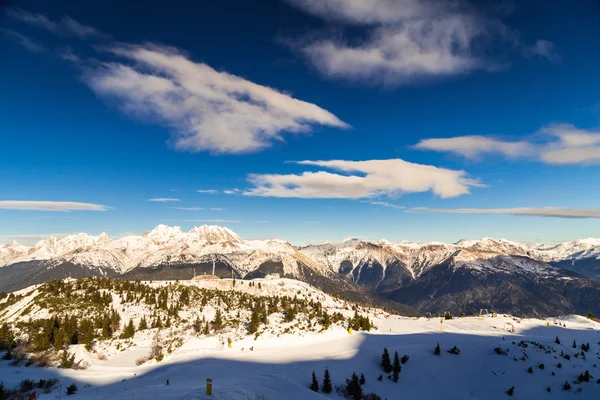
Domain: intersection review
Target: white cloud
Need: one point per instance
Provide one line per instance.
(557, 212)
(474, 146)
(188, 208)
(310, 222)
(66, 26)
(543, 48)
(217, 209)
(207, 191)
(366, 179)
(24, 41)
(206, 109)
(386, 204)
(50, 206)
(405, 41)
(558, 144)
(232, 191)
(163, 199)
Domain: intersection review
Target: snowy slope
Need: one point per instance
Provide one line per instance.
(280, 366)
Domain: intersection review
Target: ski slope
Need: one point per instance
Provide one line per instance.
(281, 367)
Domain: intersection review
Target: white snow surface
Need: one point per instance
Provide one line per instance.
(280, 366)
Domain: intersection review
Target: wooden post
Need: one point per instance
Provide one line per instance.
(209, 386)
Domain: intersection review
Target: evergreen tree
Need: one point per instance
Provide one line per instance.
(404, 359)
(106, 329)
(129, 330)
(143, 324)
(66, 360)
(557, 340)
(254, 321)
(218, 321)
(314, 385)
(510, 391)
(574, 344)
(71, 389)
(7, 337)
(437, 350)
(385, 361)
(396, 368)
(326, 388)
(353, 390)
(326, 321)
(362, 379)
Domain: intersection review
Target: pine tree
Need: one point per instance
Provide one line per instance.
(510, 391)
(129, 330)
(71, 389)
(574, 344)
(362, 379)
(353, 389)
(66, 360)
(143, 324)
(326, 322)
(254, 321)
(557, 340)
(106, 329)
(218, 321)
(404, 359)
(7, 337)
(314, 385)
(396, 368)
(326, 388)
(437, 350)
(385, 361)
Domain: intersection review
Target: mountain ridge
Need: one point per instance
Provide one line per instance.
(451, 276)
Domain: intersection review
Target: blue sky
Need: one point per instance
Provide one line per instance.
(412, 120)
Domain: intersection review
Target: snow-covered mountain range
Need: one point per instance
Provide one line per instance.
(169, 245)
(381, 268)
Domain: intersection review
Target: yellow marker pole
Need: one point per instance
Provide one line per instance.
(441, 324)
(350, 331)
(209, 386)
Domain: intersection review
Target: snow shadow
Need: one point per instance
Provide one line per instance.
(478, 372)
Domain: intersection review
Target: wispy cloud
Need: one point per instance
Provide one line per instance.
(556, 212)
(558, 144)
(232, 191)
(66, 26)
(50, 205)
(207, 110)
(386, 204)
(217, 209)
(207, 191)
(310, 222)
(363, 179)
(407, 41)
(24, 41)
(163, 199)
(188, 208)
(30, 239)
(544, 49)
